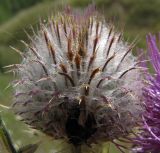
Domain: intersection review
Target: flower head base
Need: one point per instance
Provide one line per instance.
(148, 140)
(79, 81)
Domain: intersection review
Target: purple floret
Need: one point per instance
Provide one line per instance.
(148, 139)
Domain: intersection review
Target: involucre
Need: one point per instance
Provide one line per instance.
(79, 81)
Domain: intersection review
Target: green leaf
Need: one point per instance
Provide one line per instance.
(5, 139)
(31, 148)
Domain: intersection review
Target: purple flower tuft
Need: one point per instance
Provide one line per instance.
(148, 140)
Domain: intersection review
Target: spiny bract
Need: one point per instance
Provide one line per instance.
(79, 81)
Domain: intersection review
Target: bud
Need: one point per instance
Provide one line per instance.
(79, 81)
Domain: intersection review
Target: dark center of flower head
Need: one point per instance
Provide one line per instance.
(76, 132)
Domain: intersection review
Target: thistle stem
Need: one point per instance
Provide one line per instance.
(77, 149)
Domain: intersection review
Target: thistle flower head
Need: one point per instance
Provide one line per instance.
(148, 139)
(79, 81)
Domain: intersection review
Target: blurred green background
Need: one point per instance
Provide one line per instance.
(136, 17)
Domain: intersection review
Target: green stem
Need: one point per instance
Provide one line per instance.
(77, 149)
